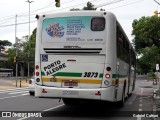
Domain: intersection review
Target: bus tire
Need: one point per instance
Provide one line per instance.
(70, 102)
(121, 103)
(31, 93)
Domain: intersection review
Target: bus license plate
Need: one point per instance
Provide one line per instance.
(70, 83)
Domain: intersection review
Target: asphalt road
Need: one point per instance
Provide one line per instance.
(16, 101)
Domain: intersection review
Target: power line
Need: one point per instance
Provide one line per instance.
(26, 15)
(68, 8)
(126, 4)
(17, 24)
(157, 2)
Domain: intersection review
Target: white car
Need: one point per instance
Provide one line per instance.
(31, 85)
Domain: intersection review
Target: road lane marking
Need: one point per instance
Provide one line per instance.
(18, 92)
(140, 109)
(13, 96)
(140, 105)
(44, 111)
(25, 94)
(7, 91)
(13, 89)
(53, 108)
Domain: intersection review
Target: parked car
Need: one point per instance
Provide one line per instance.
(31, 85)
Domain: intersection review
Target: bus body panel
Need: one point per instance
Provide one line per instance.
(64, 70)
(76, 93)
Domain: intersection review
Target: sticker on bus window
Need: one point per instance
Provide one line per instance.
(44, 58)
(55, 30)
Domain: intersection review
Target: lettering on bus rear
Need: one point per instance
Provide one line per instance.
(54, 67)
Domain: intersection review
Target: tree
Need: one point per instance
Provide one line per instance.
(146, 33)
(89, 6)
(4, 43)
(25, 46)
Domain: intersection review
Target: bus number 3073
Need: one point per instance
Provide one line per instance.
(91, 74)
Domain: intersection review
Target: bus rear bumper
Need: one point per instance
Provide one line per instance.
(105, 94)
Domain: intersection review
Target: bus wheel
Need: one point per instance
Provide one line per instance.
(31, 93)
(121, 103)
(68, 101)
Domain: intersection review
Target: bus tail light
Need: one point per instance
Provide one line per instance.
(108, 68)
(107, 76)
(37, 73)
(37, 67)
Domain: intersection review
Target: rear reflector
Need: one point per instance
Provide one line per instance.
(44, 91)
(98, 93)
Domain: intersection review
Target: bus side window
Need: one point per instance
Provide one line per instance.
(98, 24)
(119, 44)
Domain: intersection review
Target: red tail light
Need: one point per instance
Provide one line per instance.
(107, 75)
(37, 73)
(108, 68)
(37, 67)
(30, 81)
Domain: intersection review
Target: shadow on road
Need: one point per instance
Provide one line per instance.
(91, 110)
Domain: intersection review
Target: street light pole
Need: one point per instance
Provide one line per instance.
(29, 14)
(16, 42)
(29, 31)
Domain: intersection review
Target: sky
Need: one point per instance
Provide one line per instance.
(125, 10)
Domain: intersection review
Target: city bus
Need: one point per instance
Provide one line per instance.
(83, 55)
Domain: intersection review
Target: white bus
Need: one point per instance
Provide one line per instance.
(83, 55)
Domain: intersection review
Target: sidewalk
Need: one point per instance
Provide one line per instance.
(8, 83)
(156, 96)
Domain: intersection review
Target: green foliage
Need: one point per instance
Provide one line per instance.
(152, 75)
(5, 43)
(89, 6)
(146, 33)
(24, 47)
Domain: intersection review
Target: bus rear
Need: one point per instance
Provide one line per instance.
(71, 56)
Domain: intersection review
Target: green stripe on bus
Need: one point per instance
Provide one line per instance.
(68, 74)
(100, 75)
(118, 76)
(42, 73)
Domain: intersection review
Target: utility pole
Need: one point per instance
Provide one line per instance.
(29, 32)
(16, 41)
